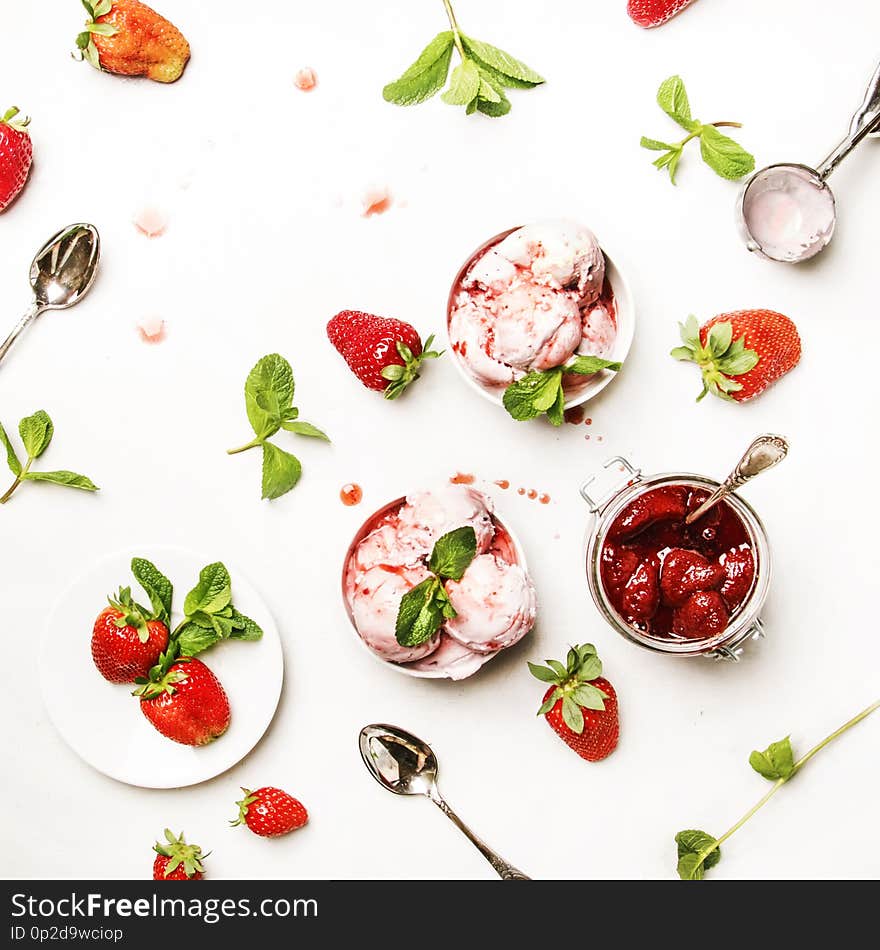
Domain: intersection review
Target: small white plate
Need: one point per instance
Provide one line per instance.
(102, 722)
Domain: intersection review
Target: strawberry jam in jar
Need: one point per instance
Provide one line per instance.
(677, 588)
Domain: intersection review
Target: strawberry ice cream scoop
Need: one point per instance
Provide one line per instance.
(428, 515)
(495, 603)
(374, 606)
(452, 660)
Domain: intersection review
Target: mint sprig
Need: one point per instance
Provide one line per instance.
(699, 851)
(541, 390)
(427, 605)
(477, 82)
(268, 397)
(722, 154)
(36, 433)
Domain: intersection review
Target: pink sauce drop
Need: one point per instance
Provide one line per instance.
(151, 222)
(306, 79)
(152, 330)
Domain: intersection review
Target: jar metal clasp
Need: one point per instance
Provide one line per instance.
(631, 475)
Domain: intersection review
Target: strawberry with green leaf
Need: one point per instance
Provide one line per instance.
(176, 860)
(580, 704)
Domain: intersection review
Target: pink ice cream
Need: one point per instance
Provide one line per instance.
(392, 557)
(530, 302)
(495, 604)
(374, 605)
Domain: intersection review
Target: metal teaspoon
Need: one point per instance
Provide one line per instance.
(62, 272)
(406, 765)
(765, 452)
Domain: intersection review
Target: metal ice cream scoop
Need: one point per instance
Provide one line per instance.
(62, 273)
(405, 765)
(787, 212)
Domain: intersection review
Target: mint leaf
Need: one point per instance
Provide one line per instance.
(535, 393)
(268, 394)
(11, 458)
(62, 477)
(192, 639)
(654, 144)
(36, 433)
(556, 413)
(672, 98)
(157, 586)
(453, 553)
(588, 365)
(464, 84)
(515, 71)
(419, 615)
(494, 109)
(281, 471)
(306, 428)
(426, 76)
(724, 156)
(212, 593)
(243, 628)
(691, 845)
(775, 762)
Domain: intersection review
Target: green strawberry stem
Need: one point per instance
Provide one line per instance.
(243, 448)
(18, 480)
(801, 762)
(456, 30)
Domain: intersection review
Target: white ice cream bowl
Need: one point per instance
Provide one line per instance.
(407, 669)
(625, 317)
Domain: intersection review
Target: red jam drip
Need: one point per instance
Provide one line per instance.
(503, 483)
(675, 581)
(351, 494)
(461, 478)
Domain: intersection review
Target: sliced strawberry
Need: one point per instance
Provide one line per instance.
(738, 569)
(703, 615)
(618, 565)
(660, 504)
(641, 596)
(686, 572)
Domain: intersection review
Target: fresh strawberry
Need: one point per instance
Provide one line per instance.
(686, 572)
(129, 38)
(738, 567)
(649, 13)
(127, 640)
(383, 353)
(580, 705)
(661, 504)
(184, 701)
(176, 860)
(741, 353)
(270, 812)
(641, 595)
(703, 615)
(16, 154)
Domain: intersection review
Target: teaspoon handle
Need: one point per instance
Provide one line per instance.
(507, 872)
(32, 312)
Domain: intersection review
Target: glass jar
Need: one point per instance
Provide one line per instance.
(744, 623)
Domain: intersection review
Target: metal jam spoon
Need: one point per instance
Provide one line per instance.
(405, 765)
(62, 273)
(787, 212)
(765, 452)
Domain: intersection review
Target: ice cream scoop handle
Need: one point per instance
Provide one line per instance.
(507, 872)
(865, 122)
(32, 312)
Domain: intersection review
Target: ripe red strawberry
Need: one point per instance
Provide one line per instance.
(176, 860)
(703, 615)
(740, 353)
(185, 701)
(127, 640)
(738, 567)
(686, 572)
(270, 812)
(16, 154)
(581, 706)
(129, 38)
(649, 13)
(383, 353)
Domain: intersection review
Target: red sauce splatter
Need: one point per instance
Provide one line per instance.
(461, 478)
(503, 483)
(588, 422)
(351, 494)
(520, 491)
(575, 415)
(306, 79)
(532, 493)
(376, 201)
(544, 499)
(152, 329)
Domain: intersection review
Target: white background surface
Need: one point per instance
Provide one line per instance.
(264, 245)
